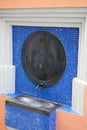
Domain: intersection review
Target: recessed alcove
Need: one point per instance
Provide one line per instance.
(74, 18)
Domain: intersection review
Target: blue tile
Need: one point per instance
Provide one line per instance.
(52, 121)
(68, 108)
(62, 91)
(23, 119)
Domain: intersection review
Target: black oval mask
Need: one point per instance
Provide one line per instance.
(43, 58)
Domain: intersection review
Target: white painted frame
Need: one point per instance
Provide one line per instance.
(54, 17)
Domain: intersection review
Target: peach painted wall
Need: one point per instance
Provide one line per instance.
(42, 3)
(2, 112)
(68, 121)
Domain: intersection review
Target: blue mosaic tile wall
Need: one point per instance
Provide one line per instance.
(52, 121)
(23, 119)
(62, 91)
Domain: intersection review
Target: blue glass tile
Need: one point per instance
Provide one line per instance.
(62, 91)
(23, 119)
(52, 121)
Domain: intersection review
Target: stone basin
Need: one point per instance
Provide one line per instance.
(33, 103)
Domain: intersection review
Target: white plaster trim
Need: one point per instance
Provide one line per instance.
(78, 95)
(56, 17)
(7, 79)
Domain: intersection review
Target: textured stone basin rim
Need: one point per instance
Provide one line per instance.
(35, 102)
(32, 103)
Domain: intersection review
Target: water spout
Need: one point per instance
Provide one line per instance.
(42, 84)
(37, 87)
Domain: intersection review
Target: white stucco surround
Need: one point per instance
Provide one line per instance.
(55, 17)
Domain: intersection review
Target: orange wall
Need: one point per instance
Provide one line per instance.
(42, 3)
(2, 113)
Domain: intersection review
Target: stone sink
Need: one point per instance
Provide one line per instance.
(33, 103)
